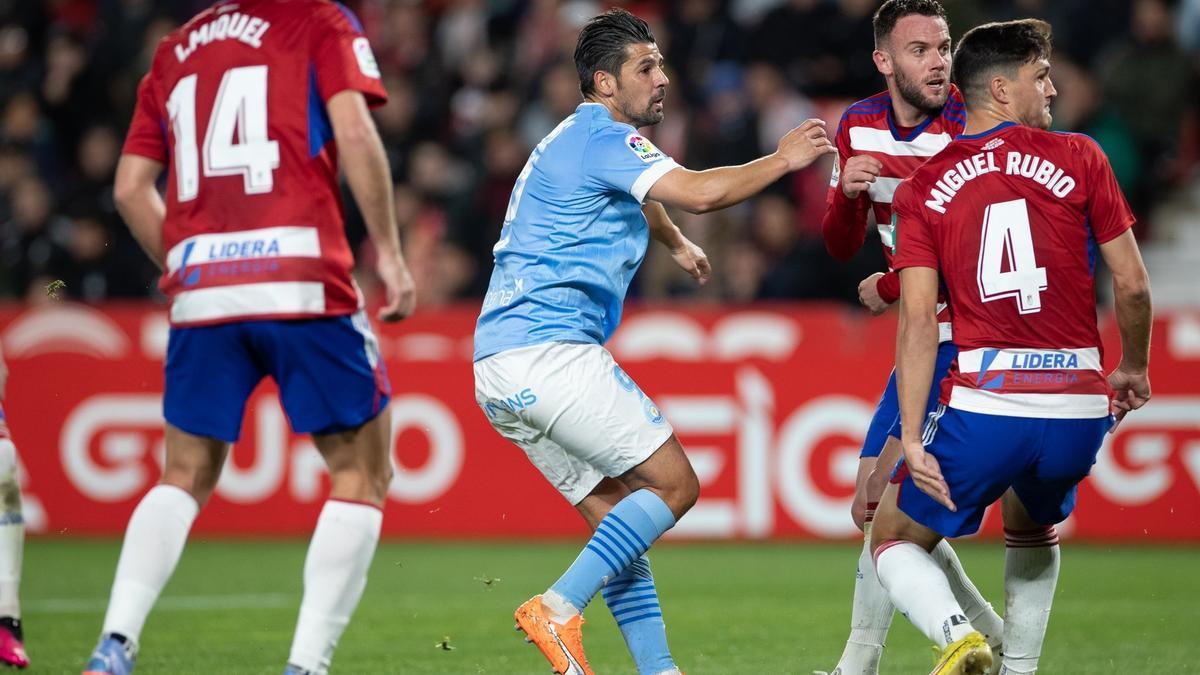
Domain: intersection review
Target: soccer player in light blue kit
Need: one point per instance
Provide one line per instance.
(578, 223)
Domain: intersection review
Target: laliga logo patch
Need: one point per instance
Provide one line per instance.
(366, 59)
(643, 148)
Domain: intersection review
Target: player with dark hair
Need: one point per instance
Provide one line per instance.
(248, 107)
(1008, 219)
(578, 224)
(881, 140)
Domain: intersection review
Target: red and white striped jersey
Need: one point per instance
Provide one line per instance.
(868, 128)
(234, 104)
(1011, 218)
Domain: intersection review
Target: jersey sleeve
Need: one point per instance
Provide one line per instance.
(342, 56)
(1107, 210)
(148, 130)
(914, 239)
(621, 159)
(844, 225)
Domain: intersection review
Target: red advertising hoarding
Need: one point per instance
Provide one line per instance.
(771, 403)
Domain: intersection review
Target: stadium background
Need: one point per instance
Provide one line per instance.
(769, 372)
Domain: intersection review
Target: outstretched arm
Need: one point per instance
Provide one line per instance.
(714, 189)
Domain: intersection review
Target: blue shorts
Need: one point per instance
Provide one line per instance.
(886, 421)
(981, 456)
(329, 373)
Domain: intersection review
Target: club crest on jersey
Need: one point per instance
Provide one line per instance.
(643, 148)
(365, 57)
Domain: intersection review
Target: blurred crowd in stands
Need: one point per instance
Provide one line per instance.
(475, 84)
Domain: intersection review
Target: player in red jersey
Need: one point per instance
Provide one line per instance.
(1010, 217)
(12, 543)
(881, 140)
(248, 107)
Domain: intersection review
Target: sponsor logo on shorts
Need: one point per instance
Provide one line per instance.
(511, 404)
(652, 412)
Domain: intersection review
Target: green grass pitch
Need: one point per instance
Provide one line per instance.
(730, 608)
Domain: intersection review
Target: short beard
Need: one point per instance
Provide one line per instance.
(644, 118)
(910, 91)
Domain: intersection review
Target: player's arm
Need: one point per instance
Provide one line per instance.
(714, 189)
(686, 254)
(916, 354)
(1131, 300)
(370, 178)
(135, 191)
(844, 226)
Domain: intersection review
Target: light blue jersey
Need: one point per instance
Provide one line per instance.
(573, 235)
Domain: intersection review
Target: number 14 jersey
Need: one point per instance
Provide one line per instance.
(234, 105)
(1011, 219)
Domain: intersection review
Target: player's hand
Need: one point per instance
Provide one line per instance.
(868, 294)
(859, 173)
(401, 292)
(1131, 390)
(927, 473)
(804, 144)
(693, 260)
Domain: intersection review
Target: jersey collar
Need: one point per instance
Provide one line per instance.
(982, 134)
(916, 131)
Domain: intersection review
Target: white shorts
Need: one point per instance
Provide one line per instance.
(573, 411)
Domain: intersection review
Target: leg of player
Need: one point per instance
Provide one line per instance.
(631, 597)
(872, 611)
(154, 541)
(918, 586)
(979, 611)
(12, 544)
(1031, 565)
(662, 489)
(344, 541)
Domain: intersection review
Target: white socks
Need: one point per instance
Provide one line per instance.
(870, 617)
(918, 587)
(978, 610)
(154, 540)
(12, 532)
(1031, 564)
(335, 574)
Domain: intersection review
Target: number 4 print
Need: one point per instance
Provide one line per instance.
(241, 107)
(1006, 234)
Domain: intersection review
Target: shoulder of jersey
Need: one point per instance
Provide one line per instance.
(868, 109)
(955, 111)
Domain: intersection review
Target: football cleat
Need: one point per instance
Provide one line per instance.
(293, 669)
(969, 655)
(113, 656)
(12, 652)
(561, 644)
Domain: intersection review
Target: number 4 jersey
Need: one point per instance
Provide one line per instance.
(234, 105)
(1011, 219)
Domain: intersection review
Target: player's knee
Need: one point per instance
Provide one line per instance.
(197, 481)
(858, 511)
(684, 494)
